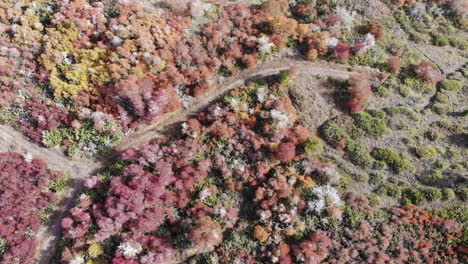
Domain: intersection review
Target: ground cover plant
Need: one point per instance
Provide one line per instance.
(228, 131)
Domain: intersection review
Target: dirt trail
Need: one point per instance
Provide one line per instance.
(79, 169)
(168, 122)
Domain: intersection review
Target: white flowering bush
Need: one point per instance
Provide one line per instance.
(264, 45)
(326, 196)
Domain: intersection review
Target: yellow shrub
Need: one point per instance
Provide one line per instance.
(89, 69)
(95, 250)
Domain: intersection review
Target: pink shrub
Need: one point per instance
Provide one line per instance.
(160, 250)
(120, 260)
(426, 70)
(342, 51)
(363, 45)
(23, 188)
(206, 234)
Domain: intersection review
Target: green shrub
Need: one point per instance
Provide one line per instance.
(426, 152)
(439, 164)
(44, 215)
(432, 177)
(284, 77)
(359, 154)
(391, 190)
(356, 133)
(378, 165)
(332, 132)
(346, 180)
(9, 115)
(373, 198)
(393, 159)
(385, 154)
(373, 126)
(448, 194)
(459, 43)
(361, 177)
(447, 124)
(376, 179)
(457, 212)
(441, 109)
(403, 165)
(442, 98)
(403, 90)
(52, 138)
(440, 40)
(432, 194)
(352, 217)
(453, 154)
(380, 114)
(452, 85)
(382, 91)
(458, 128)
(3, 246)
(72, 150)
(313, 145)
(433, 135)
(412, 196)
(463, 194)
(420, 85)
(406, 111)
(364, 60)
(211, 201)
(58, 185)
(87, 137)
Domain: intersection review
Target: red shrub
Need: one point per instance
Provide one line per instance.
(304, 10)
(377, 29)
(331, 20)
(426, 70)
(359, 89)
(298, 135)
(342, 51)
(394, 64)
(285, 152)
(314, 250)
